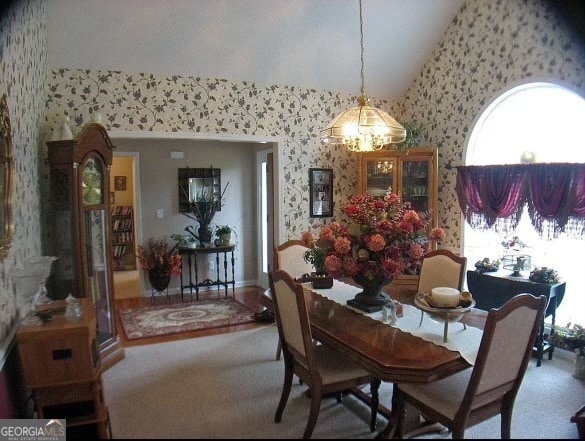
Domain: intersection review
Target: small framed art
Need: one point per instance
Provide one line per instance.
(120, 183)
(321, 192)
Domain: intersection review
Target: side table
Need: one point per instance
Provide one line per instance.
(191, 255)
(492, 290)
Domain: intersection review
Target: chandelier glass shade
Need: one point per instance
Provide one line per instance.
(363, 128)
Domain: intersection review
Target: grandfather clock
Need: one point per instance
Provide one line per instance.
(80, 233)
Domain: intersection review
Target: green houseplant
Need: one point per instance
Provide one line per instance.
(320, 279)
(223, 233)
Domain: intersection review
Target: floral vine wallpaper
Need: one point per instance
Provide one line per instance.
(147, 102)
(489, 47)
(23, 67)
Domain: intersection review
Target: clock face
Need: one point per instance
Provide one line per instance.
(92, 182)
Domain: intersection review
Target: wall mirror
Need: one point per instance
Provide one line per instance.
(198, 184)
(6, 179)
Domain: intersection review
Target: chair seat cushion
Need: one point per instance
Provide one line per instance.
(334, 367)
(444, 395)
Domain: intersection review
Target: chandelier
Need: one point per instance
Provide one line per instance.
(363, 128)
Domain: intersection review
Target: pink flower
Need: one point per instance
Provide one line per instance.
(437, 234)
(342, 245)
(411, 216)
(327, 235)
(333, 263)
(417, 251)
(307, 238)
(377, 243)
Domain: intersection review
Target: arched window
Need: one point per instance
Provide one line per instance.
(534, 122)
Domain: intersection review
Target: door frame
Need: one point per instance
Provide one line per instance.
(254, 141)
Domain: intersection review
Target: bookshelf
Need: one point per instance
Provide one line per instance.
(123, 238)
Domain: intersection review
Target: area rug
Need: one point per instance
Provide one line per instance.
(150, 321)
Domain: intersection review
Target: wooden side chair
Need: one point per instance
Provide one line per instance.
(490, 387)
(288, 256)
(441, 268)
(322, 369)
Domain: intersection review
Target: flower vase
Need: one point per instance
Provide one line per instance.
(371, 299)
(204, 233)
(159, 278)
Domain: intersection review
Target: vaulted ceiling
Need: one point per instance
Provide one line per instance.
(302, 43)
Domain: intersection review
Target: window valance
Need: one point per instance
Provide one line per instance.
(495, 196)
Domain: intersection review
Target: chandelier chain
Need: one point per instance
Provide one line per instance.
(363, 89)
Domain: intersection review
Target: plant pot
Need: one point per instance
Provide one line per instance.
(223, 240)
(579, 372)
(321, 281)
(159, 278)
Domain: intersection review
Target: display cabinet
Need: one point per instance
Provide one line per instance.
(412, 174)
(80, 229)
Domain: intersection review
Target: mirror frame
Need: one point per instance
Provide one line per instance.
(185, 174)
(7, 176)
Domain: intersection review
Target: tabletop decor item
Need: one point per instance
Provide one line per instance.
(384, 238)
(544, 275)
(223, 233)
(320, 279)
(488, 266)
(160, 260)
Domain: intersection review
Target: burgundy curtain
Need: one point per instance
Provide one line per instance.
(497, 194)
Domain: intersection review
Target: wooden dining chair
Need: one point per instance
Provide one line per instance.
(288, 256)
(323, 370)
(441, 268)
(490, 387)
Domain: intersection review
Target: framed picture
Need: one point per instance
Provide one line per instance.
(120, 183)
(112, 198)
(321, 192)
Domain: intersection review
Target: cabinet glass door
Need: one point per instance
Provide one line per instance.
(95, 268)
(416, 183)
(96, 275)
(380, 176)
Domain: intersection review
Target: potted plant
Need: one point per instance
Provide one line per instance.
(223, 233)
(572, 338)
(184, 240)
(320, 279)
(161, 260)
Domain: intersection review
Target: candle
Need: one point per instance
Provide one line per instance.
(444, 297)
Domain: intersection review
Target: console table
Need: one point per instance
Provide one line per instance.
(189, 255)
(492, 290)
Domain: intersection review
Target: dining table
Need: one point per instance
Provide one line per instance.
(405, 350)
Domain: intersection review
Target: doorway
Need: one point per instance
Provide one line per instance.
(127, 278)
(265, 216)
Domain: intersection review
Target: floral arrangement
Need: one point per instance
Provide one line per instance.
(570, 338)
(159, 254)
(487, 265)
(544, 275)
(383, 239)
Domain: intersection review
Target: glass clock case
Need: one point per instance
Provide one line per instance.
(80, 213)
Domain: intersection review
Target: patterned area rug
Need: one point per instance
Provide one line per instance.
(150, 321)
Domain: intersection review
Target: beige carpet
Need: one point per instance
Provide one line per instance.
(228, 386)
